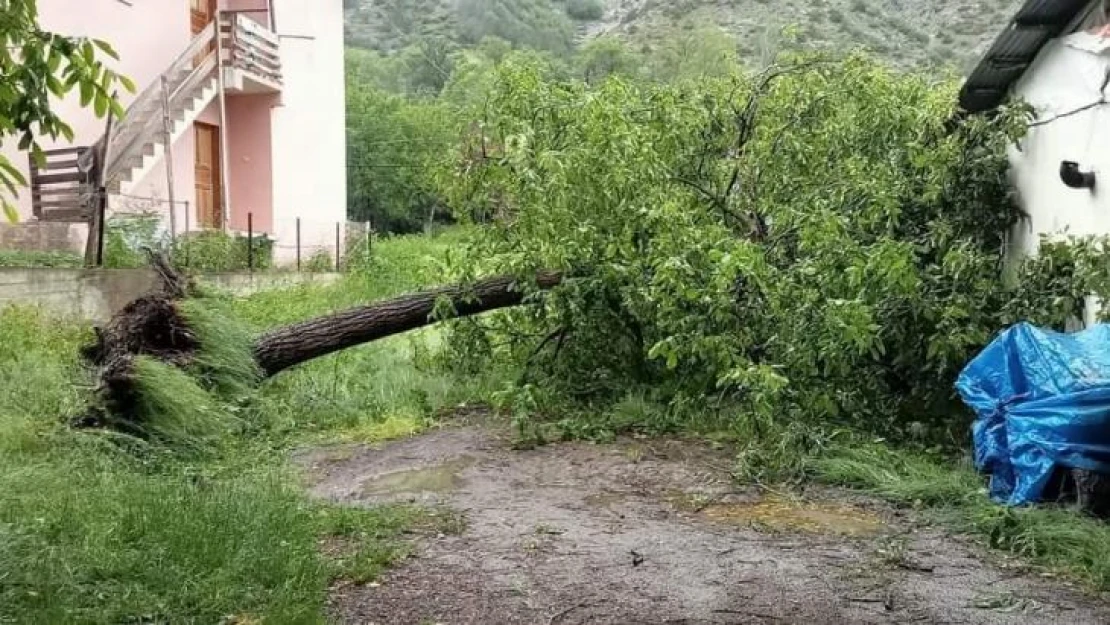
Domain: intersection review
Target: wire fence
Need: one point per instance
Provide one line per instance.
(211, 241)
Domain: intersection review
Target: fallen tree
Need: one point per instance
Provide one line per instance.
(292, 345)
(156, 326)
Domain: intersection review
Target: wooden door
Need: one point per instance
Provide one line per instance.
(201, 14)
(210, 213)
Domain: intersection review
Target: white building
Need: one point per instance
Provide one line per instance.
(1054, 55)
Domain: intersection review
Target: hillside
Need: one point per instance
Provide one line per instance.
(926, 32)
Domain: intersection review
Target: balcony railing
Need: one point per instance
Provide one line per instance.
(252, 50)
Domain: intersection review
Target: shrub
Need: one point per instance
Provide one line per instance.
(585, 10)
(218, 251)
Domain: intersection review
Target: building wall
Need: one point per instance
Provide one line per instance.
(309, 127)
(147, 35)
(1067, 76)
(286, 155)
(1062, 80)
(250, 164)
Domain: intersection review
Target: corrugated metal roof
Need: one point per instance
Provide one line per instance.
(1035, 24)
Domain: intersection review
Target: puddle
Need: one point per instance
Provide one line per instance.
(440, 478)
(814, 518)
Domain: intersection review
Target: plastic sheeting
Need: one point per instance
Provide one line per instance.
(1042, 400)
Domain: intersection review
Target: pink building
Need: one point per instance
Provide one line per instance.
(254, 91)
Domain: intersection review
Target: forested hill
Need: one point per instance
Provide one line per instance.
(921, 32)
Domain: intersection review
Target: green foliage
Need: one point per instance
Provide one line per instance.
(216, 251)
(585, 10)
(894, 30)
(17, 258)
(393, 144)
(607, 56)
(534, 23)
(697, 50)
(225, 362)
(39, 66)
(125, 236)
(808, 244)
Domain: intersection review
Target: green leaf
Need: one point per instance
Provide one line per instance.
(87, 93)
(10, 212)
(106, 48)
(127, 83)
(100, 104)
(38, 155)
(12, 175)
(55, 86)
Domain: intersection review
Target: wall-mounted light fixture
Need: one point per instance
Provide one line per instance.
(1070, 174)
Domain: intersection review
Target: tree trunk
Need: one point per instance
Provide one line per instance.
(154, 326)
(301, 342)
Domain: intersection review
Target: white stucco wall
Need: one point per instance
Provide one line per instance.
(309, 126)
(1062, 80)
(1066, 77)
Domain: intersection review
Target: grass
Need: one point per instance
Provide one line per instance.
(1052, 537)
(64, 260)
(207, 523)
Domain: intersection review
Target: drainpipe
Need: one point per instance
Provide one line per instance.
(270, 12)
(224, 154)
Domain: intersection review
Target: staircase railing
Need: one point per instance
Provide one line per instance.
(143, 119)
(250, 46)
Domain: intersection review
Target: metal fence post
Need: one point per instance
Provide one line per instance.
(369, 240)
(337, 252)
(185, 235)
(250, 242)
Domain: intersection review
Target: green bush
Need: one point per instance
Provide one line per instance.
(585, 10)
(126, 235)
(217, 251)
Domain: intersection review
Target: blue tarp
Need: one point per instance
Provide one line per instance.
(1042, 401)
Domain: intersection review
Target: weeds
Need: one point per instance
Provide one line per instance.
(1055, 538)
(207, 522)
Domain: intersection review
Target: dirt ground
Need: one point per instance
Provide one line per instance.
(655, 532)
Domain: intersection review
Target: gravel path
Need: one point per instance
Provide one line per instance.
(656, 532)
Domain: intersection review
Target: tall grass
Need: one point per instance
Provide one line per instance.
(1053, 537)
(98, 528)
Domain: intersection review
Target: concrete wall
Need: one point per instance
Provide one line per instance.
(309, 128)
(43, 237)
(96, 294)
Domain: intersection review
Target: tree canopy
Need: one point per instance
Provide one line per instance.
(816, 241)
